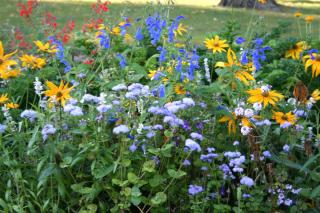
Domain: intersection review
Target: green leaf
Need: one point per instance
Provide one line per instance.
(159, 198)
(149, 166)
(102, 171)
(315, 192)
(176, 174)
(156, 181)
(133, 178)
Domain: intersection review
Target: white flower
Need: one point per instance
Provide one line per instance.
(248, 113)
(245, 130)
(121, 129)
(239, 111)
(257, 106)
(38, 86)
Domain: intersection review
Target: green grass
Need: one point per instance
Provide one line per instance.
(202, 17)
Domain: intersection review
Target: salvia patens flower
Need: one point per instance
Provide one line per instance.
(31, 115)
(139, 35)
(122, 61)
(104, 39)
(155, 25)
(194, 64)
(195, 135)
(247, 181)
(162, 91)
(48, 130)
(195, 189)
(119, 87)
(192, 145)
(60, 53)
(133, 147)
(121, 129)
(174, 26)
(162, 56)
(239, 40)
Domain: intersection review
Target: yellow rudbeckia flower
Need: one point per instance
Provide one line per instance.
(58, 94)
(216, 45)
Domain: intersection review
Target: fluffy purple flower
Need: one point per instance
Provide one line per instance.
(195, 189)
(195, 135)
(47, 130)
(247, 181)
(286, 148)
(121, 129)
(192, 145)
(31, 115)
(104, 108)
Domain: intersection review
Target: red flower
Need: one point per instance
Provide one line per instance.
(26, 9)
(100, 7)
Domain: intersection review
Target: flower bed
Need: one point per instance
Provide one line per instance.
(133, 117)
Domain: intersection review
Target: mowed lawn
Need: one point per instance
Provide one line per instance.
(202, 16)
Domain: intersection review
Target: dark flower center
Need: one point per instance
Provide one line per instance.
(265, 94)
(1, 61)
(59, 94)
(216, 44)
(284, 117)
(317, 58)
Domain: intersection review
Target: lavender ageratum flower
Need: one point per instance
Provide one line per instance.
(239, 40)
(286, 148)
(229, 154)
(194, 190)
(157, 127)
(2, 128)
(88, 98)
(119, 87)
(246, 195)
(192, 145)
(236, 143)
(47, 130)
(31, 115)
(248, 113)
(285, 125)
(267, 154)
(121, 129)
(122, 61)
(189, 102)
(300, 113)
(133, 147)
(76, 111)
(104, 108)
(288, 202)
(245, 130)
(151, 134)
(247, 181)
(186, 162)
(195, 135)
(257, 106)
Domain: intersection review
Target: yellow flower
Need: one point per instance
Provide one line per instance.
(3, 98)
(152, 73)
(12, 105)
(313, 60)
(32, 62)
(58, 94)
(315, 95)
(216, 45)
(179, 45)
(115, 31)
(264, 95)
(262, 1)
(179, 89)
(5, 61)
(6, 74)
(232, 122)
(45, 47)
(295, 52)
(165, 80)
(128, 38)
(243, 75)
(282, 118)
(181, 29)
(297, 14)
(309, 19)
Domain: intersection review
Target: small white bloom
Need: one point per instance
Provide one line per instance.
(121, 129)
(245, 130)
(257, 106)
(239, 111)
(248, 113)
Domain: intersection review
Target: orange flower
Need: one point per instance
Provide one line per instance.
(297, 14)
(309, 19)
